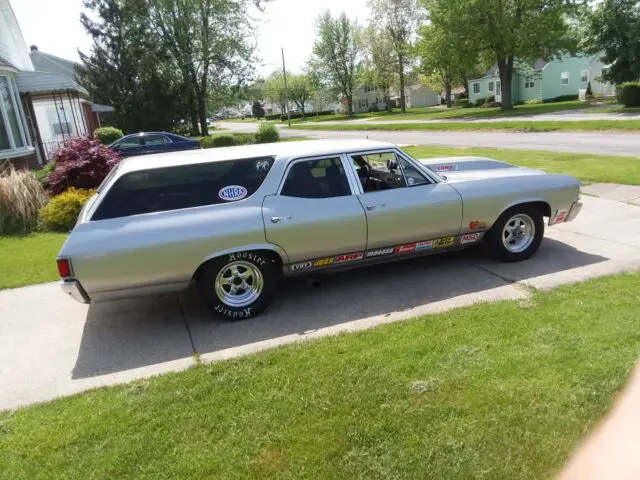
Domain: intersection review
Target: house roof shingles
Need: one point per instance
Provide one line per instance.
(493, 69)
(41, 82)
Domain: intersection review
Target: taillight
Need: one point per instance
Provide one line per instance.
(64, 267)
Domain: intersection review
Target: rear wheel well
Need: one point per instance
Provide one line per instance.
(268, 253)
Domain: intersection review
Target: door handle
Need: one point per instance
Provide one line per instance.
(277, 219)
(376, 207)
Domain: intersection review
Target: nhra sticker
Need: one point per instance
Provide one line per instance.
(469, 238)
(443, 242)
(380, 252)
(232, 193)
(351, 257)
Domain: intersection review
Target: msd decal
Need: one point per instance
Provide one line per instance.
(469, 238)
(406, 248)
(351, 257)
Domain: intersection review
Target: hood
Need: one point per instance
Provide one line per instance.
(452, 177)
(460, 169)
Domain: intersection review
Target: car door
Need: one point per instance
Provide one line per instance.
(315, 213)
(129, 146)
(406, 205)
(156, 143)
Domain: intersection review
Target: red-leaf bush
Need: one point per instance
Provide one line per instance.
(81, 162)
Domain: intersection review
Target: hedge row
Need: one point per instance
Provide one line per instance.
(295, 115)
(629, 94)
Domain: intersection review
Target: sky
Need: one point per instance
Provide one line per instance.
(54, 26)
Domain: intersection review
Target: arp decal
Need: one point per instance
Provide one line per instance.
(477, 225)
(380, 252)
(469, 238)
(323, 262)
(406, 248)
(350, 257)
(443, 242)
(428, 245)
(301, 266)
(232, 193)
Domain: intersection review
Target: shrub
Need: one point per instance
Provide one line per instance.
(108, 135)
(561, 98)
(61, 213)
(82, 163)
(21, 196)
(273, 116)
(43, 174)
(461, 102)
(244, 138)
(630, 94)
(533, 101)
(267, 133)
(589, 92)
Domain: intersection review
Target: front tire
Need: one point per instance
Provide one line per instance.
(239, 285)
(516, 235)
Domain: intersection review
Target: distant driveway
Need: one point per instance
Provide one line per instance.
(597, 143)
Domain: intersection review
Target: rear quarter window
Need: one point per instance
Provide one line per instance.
(183, 186)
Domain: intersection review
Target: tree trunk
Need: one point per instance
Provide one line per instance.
(505, 66)
(202, 113)
(403, 107)
(349, 105)
(447, 90)
(193, 116)
(302, 109)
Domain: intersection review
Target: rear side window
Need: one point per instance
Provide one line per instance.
(183, 186)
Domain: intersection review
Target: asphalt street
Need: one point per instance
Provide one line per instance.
(52, 346)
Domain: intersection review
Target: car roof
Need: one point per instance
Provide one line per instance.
(281, 151)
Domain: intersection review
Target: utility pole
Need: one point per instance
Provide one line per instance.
(286, 91)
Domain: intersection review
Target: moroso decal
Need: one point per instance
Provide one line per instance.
(323, 262)
(443, 242)
(477, 225)
(469, 238)
(380, 252)
(301, 266)
(350, 257)
(406, 248)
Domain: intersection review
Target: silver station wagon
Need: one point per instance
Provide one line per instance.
(235, 220)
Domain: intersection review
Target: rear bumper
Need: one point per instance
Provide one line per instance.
(73, 288)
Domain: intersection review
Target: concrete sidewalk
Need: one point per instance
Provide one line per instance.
(51, 346)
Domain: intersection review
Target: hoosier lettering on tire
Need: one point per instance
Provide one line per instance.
(239, 285)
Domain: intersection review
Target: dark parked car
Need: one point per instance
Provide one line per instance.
(152, 142)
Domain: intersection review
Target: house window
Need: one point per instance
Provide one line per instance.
(12, 131)
(476, 88)
(491, 86)
(529, 83)
(564, 78)
(584, 76)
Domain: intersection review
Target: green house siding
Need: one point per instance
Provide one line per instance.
(551, 77)
(484, 88)
(528, 92)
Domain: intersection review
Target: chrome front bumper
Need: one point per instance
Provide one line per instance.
(562, 216)
(74, 290)
(574, 211)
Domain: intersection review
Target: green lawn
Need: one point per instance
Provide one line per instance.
(588, 168)
(29, 259)
(496, 391)
(519, 126)
(615, 109)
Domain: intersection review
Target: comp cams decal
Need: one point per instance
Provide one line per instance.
(232, 193)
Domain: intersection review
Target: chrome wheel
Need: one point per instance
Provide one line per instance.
(518, 233)
(239, 284)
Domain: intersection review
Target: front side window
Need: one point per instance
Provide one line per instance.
(184, 186)
(322, 178)
(564, 78)
(476, 88)
(155, 139)
(130, 142)
(385, 171)
(9, 133)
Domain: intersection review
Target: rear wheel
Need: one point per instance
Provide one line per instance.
(517, 234)
(239, 285)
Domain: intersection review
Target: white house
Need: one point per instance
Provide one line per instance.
(416, 96)
(367, 98)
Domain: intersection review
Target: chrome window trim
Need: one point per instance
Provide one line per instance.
(295, 160)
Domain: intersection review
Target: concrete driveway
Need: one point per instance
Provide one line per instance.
(52, 346)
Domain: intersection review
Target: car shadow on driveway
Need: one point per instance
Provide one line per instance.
(130, 334)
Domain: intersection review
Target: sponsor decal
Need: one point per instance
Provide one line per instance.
(350, 257)
(227, 312)
(424, 245)
(469, 238)
(323, 262)
(447, 167)
(411, 247)
(262, 165)
(232, 193)
(477, 225)
(443, 242)
(410, 181)
(247, 256)
(301, 266)
(380, 252)
(561, 215)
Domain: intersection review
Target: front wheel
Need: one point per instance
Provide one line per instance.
(516, 235)
(239, 285)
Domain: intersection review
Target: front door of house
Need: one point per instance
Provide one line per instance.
(498, 91)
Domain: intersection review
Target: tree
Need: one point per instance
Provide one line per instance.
(379, 68)
(129, 71)
(508, 29)
(257, 110)
(299, 90)
(399, 19)
(613, 29)
(209, 40)
(273, 90)
(336, 54)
